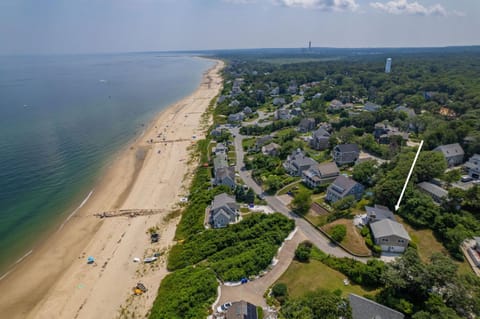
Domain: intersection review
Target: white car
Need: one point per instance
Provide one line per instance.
(224, 307)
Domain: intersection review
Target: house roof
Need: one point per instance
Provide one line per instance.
(347, 148)
(363, 308)
(473, 162)
(321, 132)
(342, 184)
(262, 140)
(450, 150)
(387, 227)
(242, 310)
(433, 189)
(225, 172)
(329, 168)
(222, 200)
(401, 108)
(380, 212)
(306, 122)
(371, 107)
(300, 159)
(220, 161)
(270, 147)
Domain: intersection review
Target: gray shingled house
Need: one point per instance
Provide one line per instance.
(342, 187)
(297, 163)
(223, 211)
(320, 139)
(390, 235)
(320, 174)
(346, 153)
(363, 308)
(306, 124)
(453, 153)
(435, 192)
(473, 166)
(225, 176)
(271, 149)
(378, 212)
(242, 310)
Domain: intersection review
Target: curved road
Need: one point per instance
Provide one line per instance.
(313, 235)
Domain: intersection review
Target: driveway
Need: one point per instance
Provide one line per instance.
(253, 291)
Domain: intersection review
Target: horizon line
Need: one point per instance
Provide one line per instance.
(241, 49)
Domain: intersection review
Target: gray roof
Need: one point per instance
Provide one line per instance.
(271, 147)
(347, 148)
(380, 212)
(387, 227)
(242, 310)
(222, 200)
(220, 161)
(363, 308)
(450, 150)
(301, 159)
(342, 184)
(329, 168)
(263, 140)
(433, 189)
(401, 108)
(307, 121)
(372, 107)
(321, 132)
(224, 172)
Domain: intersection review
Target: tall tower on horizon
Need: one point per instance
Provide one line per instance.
(388, 65)
(309, 45)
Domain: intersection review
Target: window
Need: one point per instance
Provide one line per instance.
(385, 239)
(401, 241)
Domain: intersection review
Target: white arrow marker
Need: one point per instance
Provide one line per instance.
(408, 177)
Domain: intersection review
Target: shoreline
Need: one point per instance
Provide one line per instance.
(38, 282)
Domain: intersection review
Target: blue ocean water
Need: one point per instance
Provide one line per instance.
(61, 118)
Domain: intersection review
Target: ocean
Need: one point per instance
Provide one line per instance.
(61, 120)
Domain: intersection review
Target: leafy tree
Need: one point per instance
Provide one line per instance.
(317, 304)
(338, 233)
(364, 173)
(280, 292)
(344, 203)
(301, 202)
(303, 251)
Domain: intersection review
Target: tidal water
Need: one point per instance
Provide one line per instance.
(61, 120)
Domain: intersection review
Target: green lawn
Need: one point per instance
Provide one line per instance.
(427, 245)
(302, 277)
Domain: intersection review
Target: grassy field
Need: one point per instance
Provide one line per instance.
(316, 219)
(354, 240)
(427, 245)
(302, 277)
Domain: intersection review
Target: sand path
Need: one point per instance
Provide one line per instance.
(56, 282)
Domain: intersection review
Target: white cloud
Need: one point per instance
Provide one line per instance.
(324, 5)
(406, 7)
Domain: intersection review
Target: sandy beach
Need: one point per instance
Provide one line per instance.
(55, 281)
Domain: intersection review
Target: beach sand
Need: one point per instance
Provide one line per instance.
(55, 281)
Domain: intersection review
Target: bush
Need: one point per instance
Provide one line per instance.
(280, 292)
(303, 251)
(338, 233)
(185, 294)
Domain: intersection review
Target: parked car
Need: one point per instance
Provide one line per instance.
(224, 307)
(466, 178)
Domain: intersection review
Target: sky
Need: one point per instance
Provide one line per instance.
(91, 26)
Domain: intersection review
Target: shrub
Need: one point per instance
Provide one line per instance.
(338, 233)
(280, 292)
(303, 251)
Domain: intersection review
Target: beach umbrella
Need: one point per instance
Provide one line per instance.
(90, 260)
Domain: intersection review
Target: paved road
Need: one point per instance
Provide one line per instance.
(316, 237)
